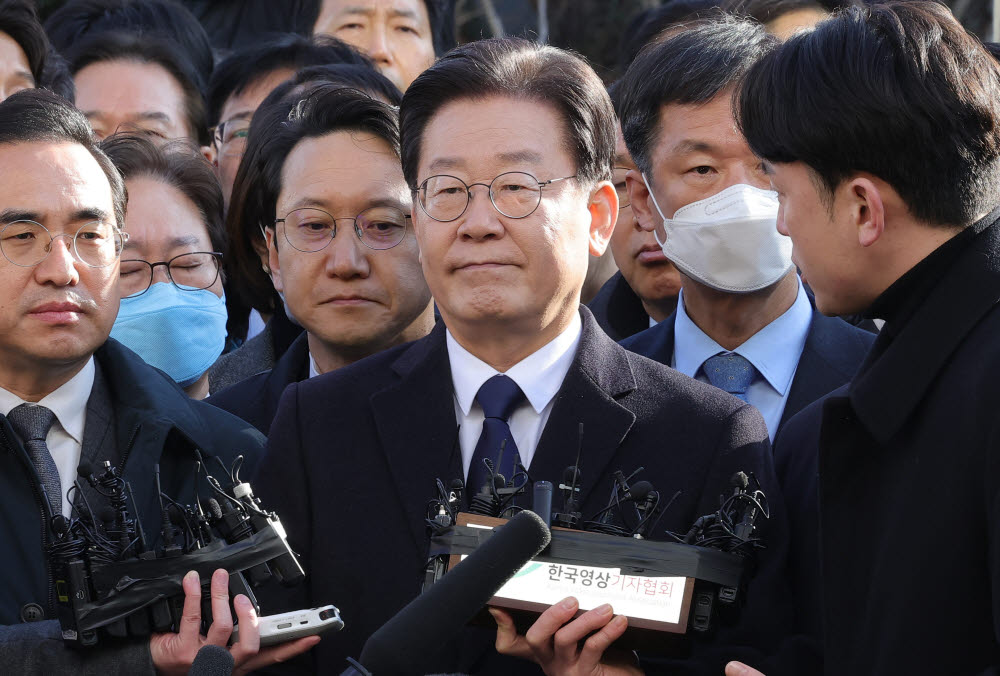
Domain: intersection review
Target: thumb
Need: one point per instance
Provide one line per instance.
(740, 669)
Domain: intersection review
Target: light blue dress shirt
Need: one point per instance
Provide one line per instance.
(774, 351)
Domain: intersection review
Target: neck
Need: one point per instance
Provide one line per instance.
(199, 388)
(501, 344)
(33, 384)
(660, 309)
(330, 357)
(920, 241)
(731, 319)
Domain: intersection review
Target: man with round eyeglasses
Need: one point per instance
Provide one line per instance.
(508, 147)
(330, 196)
(69, 394)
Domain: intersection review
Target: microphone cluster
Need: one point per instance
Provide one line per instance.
(717, 553)
(113, 580)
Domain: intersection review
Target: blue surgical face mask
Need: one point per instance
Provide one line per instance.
(180, 332)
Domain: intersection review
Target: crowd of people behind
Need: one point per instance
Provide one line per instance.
(319, 235)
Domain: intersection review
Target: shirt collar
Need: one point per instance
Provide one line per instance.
(774, 350)
(539, 375)
(313, 368)
(68, 402)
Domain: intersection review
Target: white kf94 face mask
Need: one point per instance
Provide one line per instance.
(729, 241)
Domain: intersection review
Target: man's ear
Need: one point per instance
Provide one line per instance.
(865, 208)
(208, 152)
(641, 201)
(603, 214)
(274, 268)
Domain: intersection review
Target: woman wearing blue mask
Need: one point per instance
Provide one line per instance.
(173, 309)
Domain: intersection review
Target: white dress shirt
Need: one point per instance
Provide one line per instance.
(539, 375)
(65, 437)
(313, 368)
(774, 351)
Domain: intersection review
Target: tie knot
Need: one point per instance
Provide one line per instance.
(499, 396)
(730, 372)
(31, 421)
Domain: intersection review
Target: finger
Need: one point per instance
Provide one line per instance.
(222, 619)
(740, 669)
(567, 639)
(540, 635)
(276, 653)
(190, 624)
(249, 643)
(593, 649)
(509, 642)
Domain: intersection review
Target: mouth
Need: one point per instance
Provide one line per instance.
(485, 265)
(347, 300)
(650, 254)
(57, 313)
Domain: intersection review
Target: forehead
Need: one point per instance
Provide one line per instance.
(11, 55)
(685, 128)
(248, 100)
(159, 214)
(342, 170)
(52, 180)
(416, 8)
(472, 137)
(125, 87)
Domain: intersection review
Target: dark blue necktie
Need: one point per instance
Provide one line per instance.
(498, 396)
(32, 423)
(730, 372)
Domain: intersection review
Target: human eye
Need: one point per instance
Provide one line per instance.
(702, 170)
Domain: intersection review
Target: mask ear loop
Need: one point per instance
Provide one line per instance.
(658, 210)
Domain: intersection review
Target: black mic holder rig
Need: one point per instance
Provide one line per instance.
(112, 581)
(633, 511)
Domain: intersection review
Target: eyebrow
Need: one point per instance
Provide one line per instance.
(515, 157)
(25, 75)
(369, 11)
(310, 203)
(87, 215)
(172, 243)
(691, 146)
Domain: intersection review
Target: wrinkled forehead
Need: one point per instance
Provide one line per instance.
(55, 184)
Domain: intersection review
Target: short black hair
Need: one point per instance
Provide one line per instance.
(517, 69)
(647, 25)
(365, 78)
(19, 20)
(277, 127)
(234, 74)
(765, 11)
(440, 15)
(178, 164)
(39, 116)
(693, 66)
(907, 95)
(122, 46)
(163, 20)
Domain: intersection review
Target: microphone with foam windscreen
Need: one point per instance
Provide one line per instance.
(411, 641)
(212, 660)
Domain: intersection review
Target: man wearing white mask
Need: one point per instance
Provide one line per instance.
(743, 321)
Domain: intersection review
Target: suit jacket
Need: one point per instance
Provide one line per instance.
(898, 473)
(256, 355)
(833, 351)
(362, 447)
(618, 309)
(256, 398)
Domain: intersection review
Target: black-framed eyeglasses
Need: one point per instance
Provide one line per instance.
(310, 230)
(95, 244)
(188, 272)
(230, 136)
(515, 194)
(618, 178)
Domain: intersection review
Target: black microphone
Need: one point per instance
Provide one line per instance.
(212, 660)
(410, 641)
(541, 501)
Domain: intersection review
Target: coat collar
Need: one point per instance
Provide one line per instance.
(416, 425)
(892, 384)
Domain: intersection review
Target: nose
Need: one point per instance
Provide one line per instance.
(160, 275)
(481, 220)
(378, 45)
(781, 220)
(59, 266)
(347, 257)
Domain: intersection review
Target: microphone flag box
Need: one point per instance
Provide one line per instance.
(653, 584)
